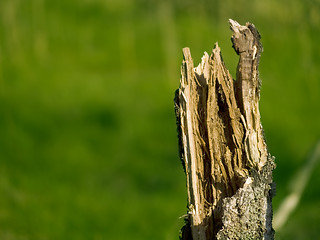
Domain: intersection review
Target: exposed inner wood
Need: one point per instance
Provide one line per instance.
(221, 137)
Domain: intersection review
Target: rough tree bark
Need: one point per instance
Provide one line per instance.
(222, 146)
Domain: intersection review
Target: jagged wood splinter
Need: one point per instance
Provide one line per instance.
(227, 164)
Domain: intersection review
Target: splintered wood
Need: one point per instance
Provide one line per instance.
(227, 165)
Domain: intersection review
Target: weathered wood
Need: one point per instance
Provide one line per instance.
(227, 164)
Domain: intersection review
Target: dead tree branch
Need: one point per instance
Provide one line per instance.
(227, 164)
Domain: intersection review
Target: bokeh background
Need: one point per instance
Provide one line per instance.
(88, 146)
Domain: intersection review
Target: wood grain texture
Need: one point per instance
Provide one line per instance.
(225, 157)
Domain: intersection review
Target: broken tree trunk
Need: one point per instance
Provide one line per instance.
(227, 164)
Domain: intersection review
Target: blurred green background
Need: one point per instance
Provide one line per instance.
(88, 146)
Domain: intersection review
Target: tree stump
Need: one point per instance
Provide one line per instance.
(222, 146)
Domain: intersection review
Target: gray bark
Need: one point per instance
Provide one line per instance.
(223, 150)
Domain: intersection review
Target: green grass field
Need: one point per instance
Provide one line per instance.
(88, 146)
